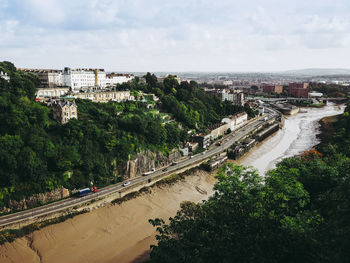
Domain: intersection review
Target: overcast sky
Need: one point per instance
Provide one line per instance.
(176, 35)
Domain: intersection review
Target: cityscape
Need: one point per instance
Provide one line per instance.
(187, 131)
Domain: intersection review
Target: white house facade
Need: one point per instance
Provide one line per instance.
(78, 79)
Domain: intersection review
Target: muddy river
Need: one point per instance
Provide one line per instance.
(298, 135)
(121, 233)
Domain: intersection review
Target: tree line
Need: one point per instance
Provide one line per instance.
(300, 212)
(38, 154)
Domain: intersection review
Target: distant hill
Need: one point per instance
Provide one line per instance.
(318, 72)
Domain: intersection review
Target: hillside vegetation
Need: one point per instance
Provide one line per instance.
(38, 154)
(299, 213)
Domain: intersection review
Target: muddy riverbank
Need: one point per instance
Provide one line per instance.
(115, 233)
(121, 233)
(298, 135)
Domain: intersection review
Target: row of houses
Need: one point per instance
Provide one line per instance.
(230, 123)
(78, 79)
(93, 95)
(105, 96)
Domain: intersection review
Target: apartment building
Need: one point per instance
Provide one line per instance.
(236, 97)
(202, 139)
(82, 79)
(298, 90)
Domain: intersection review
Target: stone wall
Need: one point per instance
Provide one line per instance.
(36, 199)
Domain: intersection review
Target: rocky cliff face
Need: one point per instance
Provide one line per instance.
(141, 163)
(144, 162)
(36, 200)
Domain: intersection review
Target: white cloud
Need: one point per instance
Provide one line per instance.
(174, 35)
(334, 25)
(49, 12)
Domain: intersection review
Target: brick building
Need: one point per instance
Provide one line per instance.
(272, 88)
(298, 90)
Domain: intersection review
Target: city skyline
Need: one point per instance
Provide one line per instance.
(184, 36)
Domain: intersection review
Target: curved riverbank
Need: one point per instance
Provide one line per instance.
(298, 135)
(121, 233)
(115, 233)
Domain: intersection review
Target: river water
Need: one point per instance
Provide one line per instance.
(298, 135)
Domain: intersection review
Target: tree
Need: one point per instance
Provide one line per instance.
(170, 84)
(245, 221)
(151, 80)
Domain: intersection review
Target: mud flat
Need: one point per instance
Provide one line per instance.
(121, 233)
(115, 233)
(298, 135)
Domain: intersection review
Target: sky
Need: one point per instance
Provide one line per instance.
(177, 35)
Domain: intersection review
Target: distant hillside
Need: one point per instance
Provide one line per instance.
(318, 72)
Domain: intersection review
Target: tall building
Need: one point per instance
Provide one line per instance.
(298, 90)
(78, 79)
(237, 98)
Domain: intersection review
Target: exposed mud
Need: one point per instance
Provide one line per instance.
(298, 135)
(121, 232)
(115, 233)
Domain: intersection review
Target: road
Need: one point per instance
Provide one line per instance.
(214, 150)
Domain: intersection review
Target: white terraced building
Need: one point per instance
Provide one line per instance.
(78, 79)
(105, 96)
(52, 92)
(114, 79)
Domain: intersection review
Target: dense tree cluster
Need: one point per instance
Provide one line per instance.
(38, 154)
(186, 101)
(300, 212)
(330, 90)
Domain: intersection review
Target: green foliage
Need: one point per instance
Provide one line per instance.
(245, 221)
(330, 90)
(300, 212)
(37, 154)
